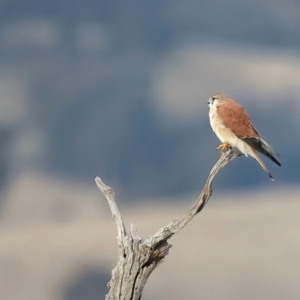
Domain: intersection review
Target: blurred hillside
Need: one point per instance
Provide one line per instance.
(120, 90)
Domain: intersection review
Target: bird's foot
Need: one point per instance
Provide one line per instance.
(225, 146)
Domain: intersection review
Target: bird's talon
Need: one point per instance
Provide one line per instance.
(224, 147)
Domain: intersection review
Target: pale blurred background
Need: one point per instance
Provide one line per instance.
(119, 89)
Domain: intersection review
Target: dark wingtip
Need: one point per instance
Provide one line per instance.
(262, 147)
(269, 155)
(273, 159)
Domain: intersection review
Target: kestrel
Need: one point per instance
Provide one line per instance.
(233, 127)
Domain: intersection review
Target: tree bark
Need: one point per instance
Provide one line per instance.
(139, 257)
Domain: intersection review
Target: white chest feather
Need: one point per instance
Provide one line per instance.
(217, 125)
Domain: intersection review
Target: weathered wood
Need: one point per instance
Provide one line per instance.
(139, 257)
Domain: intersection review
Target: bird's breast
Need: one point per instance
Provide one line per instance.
(217, 124)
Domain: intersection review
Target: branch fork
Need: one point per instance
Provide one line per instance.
(138, 257)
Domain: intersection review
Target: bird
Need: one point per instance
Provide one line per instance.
(232, 125)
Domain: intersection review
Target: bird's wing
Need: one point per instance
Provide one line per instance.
(236, 119)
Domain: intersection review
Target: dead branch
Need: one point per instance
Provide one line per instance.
(139, 257)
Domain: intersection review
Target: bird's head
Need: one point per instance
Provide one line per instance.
(216, 98)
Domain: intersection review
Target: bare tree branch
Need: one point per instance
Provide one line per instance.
(109, 195)
(139, 257)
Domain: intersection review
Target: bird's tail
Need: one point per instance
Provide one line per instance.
(253, 153)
